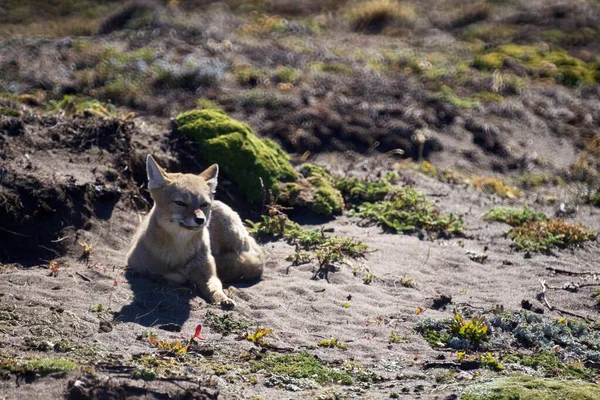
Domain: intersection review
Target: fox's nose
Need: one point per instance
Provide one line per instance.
(199, 220)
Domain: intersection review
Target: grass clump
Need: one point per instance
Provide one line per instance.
(356, 191)
(529, 388)
(407, 211)
(447, 94)
(286, 74)
(38, 365)
(555, 63)
(373, 16)
(543, 235)
(514, 217)
(242, 156)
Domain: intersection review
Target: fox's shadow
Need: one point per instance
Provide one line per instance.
(156, 302)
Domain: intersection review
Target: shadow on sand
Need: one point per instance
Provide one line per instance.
(157, 302)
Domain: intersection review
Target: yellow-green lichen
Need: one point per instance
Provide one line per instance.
(242, 156)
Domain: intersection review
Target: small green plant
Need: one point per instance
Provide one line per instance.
(395, 338)
(514, 217)
(257, 336)
(97, 309)
(333, 342)
(408, 211)
(543, 235)
(489, 361)
(368, 278)
(474, 330)
(226, 323)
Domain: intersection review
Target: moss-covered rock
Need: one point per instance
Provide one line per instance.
(242, 156)
(315, 192)
(529, 388)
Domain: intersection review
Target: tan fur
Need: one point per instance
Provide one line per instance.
(189, 236)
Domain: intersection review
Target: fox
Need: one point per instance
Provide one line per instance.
(189, 237)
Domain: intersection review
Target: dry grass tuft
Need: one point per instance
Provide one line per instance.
(374, 16)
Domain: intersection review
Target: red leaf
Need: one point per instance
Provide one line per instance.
(115, 283)
(197, 334)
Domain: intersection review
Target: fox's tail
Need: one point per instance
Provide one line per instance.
(244, 266)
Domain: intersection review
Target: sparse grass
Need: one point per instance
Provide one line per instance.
(83, 106)
(513, 216)
(529, 181)
(544, 235)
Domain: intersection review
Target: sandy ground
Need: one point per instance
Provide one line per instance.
(53, 308)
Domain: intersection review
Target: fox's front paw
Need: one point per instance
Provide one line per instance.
(222, 300)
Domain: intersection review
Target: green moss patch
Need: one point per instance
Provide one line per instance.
(528, 388)
(554, 63)
(303, 370)
(315, 191)
(38, 365)
(242, 156)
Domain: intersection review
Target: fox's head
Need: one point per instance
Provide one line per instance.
(182, 201)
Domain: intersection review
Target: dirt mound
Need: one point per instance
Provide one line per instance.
(60, 173)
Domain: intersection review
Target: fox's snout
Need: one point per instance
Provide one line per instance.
(199, 217)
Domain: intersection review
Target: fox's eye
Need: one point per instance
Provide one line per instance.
(203, 205)
(179, 203)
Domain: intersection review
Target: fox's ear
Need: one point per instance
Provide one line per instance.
(210, 175)
(157, 177)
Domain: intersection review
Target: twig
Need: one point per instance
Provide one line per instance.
(85, 278)
(564, 271)
(542, 297)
